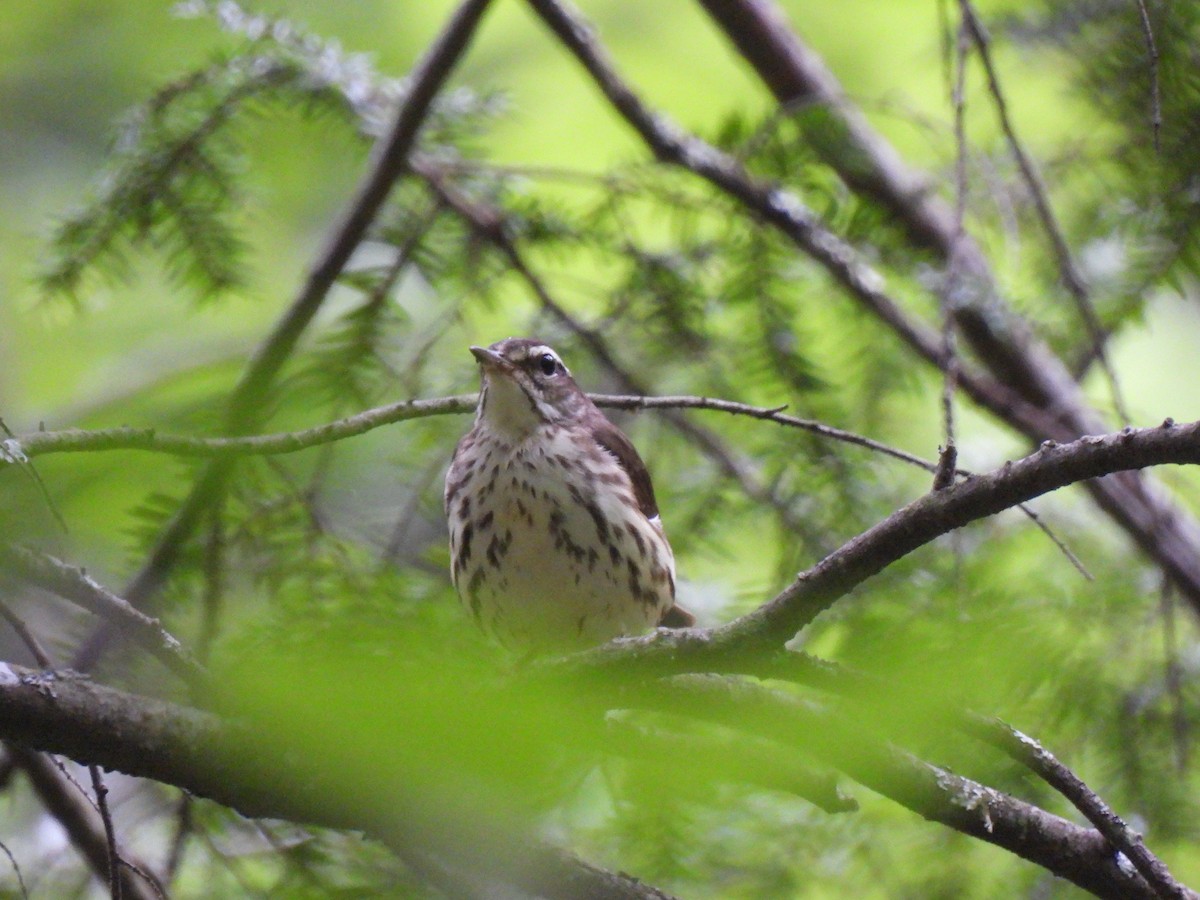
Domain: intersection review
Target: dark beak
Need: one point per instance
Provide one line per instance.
(490, 359)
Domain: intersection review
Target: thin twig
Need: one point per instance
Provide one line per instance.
(290, 442)
(77, 586)
(27, 637)
(1156, 119)
(1173, 675)
(72, 441)
(100, 789)
(184, 825)
(1068, 271)
(213, 570)
(1038, 759)
(1056, 540)
(958, 100)
(948, 296)
(16, 870)
(148, 439)
(75, 811)
(1029, 387)
(10, 452)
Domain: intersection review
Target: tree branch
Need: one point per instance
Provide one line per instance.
(1051, 467)
(40, 443)
(1068, 271)
(389, 163)
(871, 693)
(210, 757)
(77, 441)
(213, 758)
(1081, 855)
(77, 586)
(1037, 758)
(1029, 387)
(81, 823)
(490, 223)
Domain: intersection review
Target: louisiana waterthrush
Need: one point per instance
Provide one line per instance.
(555, 538)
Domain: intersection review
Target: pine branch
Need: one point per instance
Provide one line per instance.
(244, 407)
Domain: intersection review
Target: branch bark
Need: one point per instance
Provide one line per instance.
(210, 757)
(764, 630)
(75, 585)
(1026, 385)
(81, 823)
(205, 755)
(1080, 855)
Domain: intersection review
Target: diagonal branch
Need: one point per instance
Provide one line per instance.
(77, 586)
(389, 163)
(872, 694)
(1051, 467)
(1029, 387)
(1037, 758)
(1081, 855)
(1068, 271)
(489, 222)
(865, 161)
(81, 822)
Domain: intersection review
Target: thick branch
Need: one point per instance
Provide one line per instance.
(794, 73)
(205, 755)
(1081, 855)
(1053, 466)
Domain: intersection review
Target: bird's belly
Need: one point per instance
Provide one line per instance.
(556, 563)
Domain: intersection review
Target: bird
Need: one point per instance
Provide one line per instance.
(555, 538)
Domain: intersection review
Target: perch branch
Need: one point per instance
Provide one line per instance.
(1029, 387)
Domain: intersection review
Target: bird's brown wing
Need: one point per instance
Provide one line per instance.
(614, 441)
(676, 617)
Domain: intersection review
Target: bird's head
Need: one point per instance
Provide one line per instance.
(526, 384)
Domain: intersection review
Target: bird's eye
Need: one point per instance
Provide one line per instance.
(548, 364)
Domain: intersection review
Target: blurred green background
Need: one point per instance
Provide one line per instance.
(993, 618)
